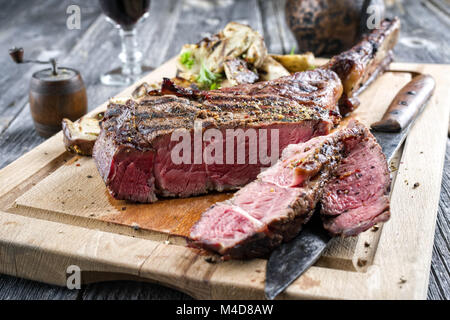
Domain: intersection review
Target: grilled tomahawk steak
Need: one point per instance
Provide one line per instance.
(134, 150)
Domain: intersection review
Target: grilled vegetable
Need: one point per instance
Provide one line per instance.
(209, 55)
(80, 136)
(236, 55)
(296, 62)
(272, 69)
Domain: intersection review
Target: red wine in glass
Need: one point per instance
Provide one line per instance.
(125, 14)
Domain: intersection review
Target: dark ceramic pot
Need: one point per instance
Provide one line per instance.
(327, 27)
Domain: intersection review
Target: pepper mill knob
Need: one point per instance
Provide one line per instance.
(16, 54)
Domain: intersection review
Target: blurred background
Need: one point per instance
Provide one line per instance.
(41, 28)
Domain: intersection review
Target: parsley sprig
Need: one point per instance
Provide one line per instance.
(293, 50)
(209, 79)
(187, 59)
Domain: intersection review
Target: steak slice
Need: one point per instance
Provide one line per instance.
(272, 209)
(133, 152)
(345, 171)
(358, 196)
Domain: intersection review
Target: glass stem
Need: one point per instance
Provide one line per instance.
(130, 56)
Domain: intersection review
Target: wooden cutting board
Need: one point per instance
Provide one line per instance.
(55, 212)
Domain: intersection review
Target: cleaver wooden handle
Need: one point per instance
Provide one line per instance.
(407, 104)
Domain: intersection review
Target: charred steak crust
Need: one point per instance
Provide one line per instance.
(270, 211)
(132, 152)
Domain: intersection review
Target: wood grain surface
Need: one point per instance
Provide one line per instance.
(41, 31)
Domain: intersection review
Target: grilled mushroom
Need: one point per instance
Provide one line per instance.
(80, 136)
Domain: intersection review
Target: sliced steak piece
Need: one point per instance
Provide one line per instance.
(363, 63)
(346, 171)
(273, 208)
(358, 196)
(134, 150)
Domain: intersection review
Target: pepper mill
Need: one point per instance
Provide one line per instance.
(55, 93)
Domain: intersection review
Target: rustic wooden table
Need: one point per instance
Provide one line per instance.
(41, 30)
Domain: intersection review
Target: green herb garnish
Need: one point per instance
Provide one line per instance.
(208, 79)
(187, 60)
(293, 50)
(214, 86)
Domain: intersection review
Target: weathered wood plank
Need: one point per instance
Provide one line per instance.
(128, 290)
(424, 36)
(440, 267)
(271, 27)
(19, 138)
(204, 18)
(286, 35)
(12, 288)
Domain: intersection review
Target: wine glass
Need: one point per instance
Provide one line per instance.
(125, 14)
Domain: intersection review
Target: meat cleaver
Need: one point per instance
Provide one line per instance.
(292, 259)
